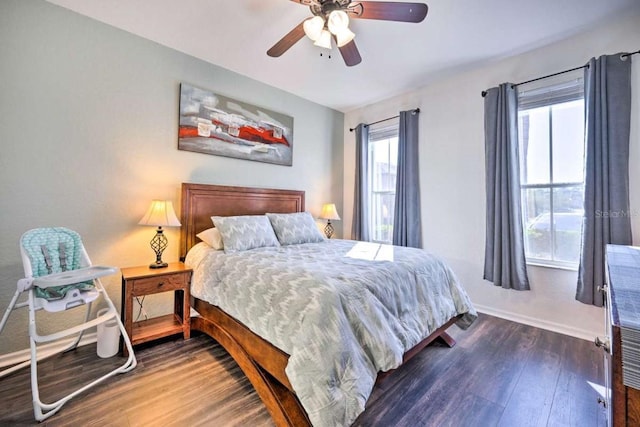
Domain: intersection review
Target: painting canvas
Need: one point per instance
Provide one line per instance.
(214, 124)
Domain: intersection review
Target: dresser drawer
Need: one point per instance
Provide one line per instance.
(152, 285)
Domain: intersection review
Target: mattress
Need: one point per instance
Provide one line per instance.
(343, 311)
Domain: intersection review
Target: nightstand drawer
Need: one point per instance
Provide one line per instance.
(152, 285)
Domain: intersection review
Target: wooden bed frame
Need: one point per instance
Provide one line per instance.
(263, 364)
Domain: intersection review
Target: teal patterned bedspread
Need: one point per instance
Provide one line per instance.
(342, 310)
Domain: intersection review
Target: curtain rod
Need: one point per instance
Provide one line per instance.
(624, 55)
(415, 110)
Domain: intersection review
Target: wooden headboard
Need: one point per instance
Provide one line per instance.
(200, 202)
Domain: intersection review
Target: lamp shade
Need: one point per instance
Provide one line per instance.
(160, 213)
(338, 20)
(344, 36)
(313, 27)
(324, 40)
(329, 212)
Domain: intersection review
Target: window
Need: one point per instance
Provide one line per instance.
(551, 138)
(382, 171)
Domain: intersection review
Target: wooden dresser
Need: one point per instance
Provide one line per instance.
(622, 342)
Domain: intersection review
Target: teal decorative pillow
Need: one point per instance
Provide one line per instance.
(241, 233)
(295, 228)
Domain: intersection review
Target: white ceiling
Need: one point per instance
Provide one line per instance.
(396, 57)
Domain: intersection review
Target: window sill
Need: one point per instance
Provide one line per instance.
(567, 267)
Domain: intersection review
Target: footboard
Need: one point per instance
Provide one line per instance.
(262, 363)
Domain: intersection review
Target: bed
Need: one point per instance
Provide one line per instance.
(265, 364)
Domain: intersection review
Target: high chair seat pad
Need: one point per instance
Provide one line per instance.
(52, 250)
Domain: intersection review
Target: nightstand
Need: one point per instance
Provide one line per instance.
(141, 281)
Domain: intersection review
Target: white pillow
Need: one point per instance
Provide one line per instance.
(294, 228)
(241, 233)
(211, 236)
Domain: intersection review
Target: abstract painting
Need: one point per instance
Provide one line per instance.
(214, 124)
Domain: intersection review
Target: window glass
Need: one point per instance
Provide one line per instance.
(568, 137)
(383, 160)
(534, 160)
(567, 223)
(536, 209)
(551, 139)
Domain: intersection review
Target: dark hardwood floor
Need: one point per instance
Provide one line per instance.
(500, 373)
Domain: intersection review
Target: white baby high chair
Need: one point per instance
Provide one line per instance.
(58, 277)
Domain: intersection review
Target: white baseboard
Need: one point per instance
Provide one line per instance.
(90, 338)
(44, 350)
(584, 334)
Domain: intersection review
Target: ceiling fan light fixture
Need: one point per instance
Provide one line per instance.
(313, 27)
(324, 40)
(338, 21)
(330, 20)
(343, 37)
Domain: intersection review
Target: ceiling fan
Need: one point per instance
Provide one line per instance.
(330, 21)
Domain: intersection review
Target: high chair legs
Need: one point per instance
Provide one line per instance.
(42, 410)
(59, 277)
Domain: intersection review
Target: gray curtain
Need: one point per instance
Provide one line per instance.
(504, 260)
(360, 226)
(407, 229)
(607, 96)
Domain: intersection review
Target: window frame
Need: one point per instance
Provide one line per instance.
(550, 95)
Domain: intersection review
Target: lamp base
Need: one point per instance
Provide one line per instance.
(158, 265)
(159, 244)
(328, 230)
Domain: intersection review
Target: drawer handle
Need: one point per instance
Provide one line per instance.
(602, 402)
(161, 284)
(602, 344)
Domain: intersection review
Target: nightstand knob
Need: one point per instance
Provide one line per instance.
(161, 284)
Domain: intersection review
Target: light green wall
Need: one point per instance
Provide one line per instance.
(88, 130)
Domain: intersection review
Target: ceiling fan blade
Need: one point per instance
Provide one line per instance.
(388, 11)
(287, 41)
(350, 54)
(305, 2)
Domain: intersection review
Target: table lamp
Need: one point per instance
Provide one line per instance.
(329, 213)
(160, 214)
